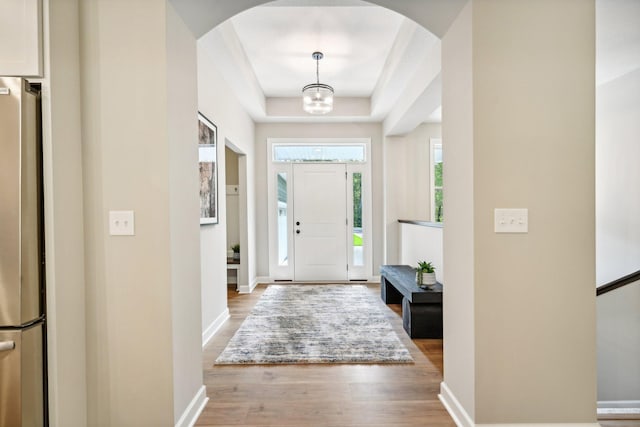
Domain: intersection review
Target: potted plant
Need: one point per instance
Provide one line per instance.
(425, 273)
(236, 251)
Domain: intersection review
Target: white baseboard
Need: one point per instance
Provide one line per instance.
(211, 330)
(619, 404)
(619, 407)
(462, 419)
(267, 280)
(454, 407)
(193, 411)
(244, 289)
(540, 425)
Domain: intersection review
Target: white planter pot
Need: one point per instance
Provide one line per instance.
(425, 278)
(429, 278)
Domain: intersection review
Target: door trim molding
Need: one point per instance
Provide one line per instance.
(286, 272)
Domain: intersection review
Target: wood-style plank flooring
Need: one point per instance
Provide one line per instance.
(328, 395)
(401, 395)
(619, 423)
(611, 420)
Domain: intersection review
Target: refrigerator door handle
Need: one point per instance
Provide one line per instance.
(7, 345)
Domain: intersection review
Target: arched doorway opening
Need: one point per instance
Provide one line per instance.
(260, 161)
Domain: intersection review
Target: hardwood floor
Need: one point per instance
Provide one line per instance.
(323, 395)
(619, 423)
(328, 395)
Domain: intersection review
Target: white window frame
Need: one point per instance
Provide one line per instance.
(364, 271)
(434, 143)
(318, 142)
(277, 271)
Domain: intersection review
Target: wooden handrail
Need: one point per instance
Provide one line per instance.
(629, 278)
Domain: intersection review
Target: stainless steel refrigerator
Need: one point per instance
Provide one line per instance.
(22, 302)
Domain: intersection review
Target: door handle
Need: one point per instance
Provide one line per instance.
(7, 345)
(297, 231)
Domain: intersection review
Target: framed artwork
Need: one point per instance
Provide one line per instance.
(207, 157)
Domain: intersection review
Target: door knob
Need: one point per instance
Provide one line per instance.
(297, 222)
(297, 231)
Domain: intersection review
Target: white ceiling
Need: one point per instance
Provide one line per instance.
(355, 41)
(383, 66)
(379, 63)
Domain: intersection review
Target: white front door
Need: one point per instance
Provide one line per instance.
(320, 221)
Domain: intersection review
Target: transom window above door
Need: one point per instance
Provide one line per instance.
(339, 153)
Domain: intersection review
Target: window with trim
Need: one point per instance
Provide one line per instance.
(437, 213)
(283, 254)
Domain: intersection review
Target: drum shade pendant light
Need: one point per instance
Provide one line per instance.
(317, 98)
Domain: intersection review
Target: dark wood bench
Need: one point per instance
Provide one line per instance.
(421, 308)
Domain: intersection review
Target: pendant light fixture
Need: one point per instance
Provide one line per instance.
(317, 98)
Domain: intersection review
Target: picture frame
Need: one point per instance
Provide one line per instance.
(208, 164)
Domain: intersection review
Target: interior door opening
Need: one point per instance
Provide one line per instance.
(236, 217)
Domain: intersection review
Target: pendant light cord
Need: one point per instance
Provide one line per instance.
(318, 70)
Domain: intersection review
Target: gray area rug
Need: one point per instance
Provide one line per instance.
(315, 324)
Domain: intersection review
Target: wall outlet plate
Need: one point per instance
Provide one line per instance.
(121, 223)
(511, 220)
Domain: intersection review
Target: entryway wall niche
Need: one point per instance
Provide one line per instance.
(236, 214)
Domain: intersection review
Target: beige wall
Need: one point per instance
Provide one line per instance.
(418, 200)
(407, 183)
(64, 222)
(231, 166)
(459, 250)
(184, 211)
(550, 46)
(532, 62)
(217, 101)
(421, 243)
(143, 355)
(301, 130)
(125, 161)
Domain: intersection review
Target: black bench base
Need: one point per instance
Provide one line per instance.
(421, 308)
(422, 320)
(389, 293)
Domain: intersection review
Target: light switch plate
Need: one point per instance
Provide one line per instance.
(511, 220)
(121, 223)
